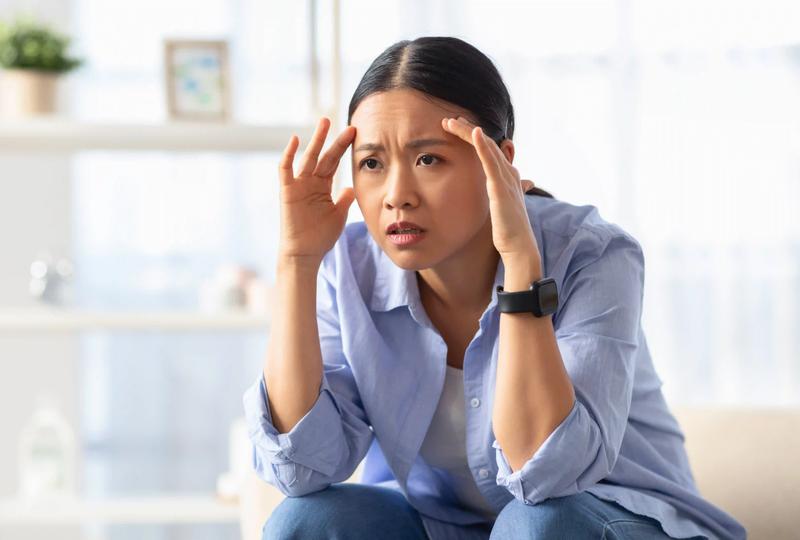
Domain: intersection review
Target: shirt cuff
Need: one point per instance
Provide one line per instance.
(557, 464)
(316, 441)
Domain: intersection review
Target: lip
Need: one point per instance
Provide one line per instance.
(406, 239)
(403, 240)
(403, 225)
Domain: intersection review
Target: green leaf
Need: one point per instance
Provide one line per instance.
(27, 44)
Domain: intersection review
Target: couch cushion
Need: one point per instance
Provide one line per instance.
(747, 462)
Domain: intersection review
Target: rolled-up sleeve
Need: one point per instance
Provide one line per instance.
(329, 442)
(597, 329)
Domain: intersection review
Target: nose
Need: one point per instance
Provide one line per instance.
(400, 191)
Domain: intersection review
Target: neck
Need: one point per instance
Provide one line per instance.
(463, 282)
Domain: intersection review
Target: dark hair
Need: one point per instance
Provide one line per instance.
(450, 69)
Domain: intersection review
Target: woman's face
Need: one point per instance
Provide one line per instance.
(406, 167)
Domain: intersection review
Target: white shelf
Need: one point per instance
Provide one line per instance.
(62, 320)
(155, 509)
(65, 135)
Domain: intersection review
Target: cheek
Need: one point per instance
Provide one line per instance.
(464, 197)
(458, 215)
(368, 202)
(366, 197)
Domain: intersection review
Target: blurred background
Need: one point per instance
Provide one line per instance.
(137, 243)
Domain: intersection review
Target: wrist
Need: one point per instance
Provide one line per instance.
(520, 272)
(298, 263)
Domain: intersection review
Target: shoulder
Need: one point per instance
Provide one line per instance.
(595, 262)
(573, 236)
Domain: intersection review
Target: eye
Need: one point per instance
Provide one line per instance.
(423, 156)
(361, 165)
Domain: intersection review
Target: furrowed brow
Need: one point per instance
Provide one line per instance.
(418, 143)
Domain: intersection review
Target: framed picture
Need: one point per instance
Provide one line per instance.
(198, 81)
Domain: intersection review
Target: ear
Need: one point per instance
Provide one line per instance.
(507, 147)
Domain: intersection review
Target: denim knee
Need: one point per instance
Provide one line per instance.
(345, 511)
(310, 516)
(560, 517)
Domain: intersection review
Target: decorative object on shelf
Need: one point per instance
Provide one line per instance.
(47, 454)
(33, 58)
(197, 79)
(226, 291)
(51, 280)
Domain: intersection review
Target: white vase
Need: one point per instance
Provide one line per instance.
(27, 92)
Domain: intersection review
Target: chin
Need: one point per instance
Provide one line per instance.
(407, 260)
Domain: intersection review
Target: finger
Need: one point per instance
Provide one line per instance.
(285, 172)
(345, 199)
(527, 185)
(463, 129)
(459, 129)
(467, 131)
(503, 164)
(489, 159)
(501, 157)
(309, 161)
(330, 160)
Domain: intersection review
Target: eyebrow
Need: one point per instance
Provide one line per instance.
(418, 143)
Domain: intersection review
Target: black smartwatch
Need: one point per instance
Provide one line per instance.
(541, 299)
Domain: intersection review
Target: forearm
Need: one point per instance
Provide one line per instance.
(293, 367)
(533, 391)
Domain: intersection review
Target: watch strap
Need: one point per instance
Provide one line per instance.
(527, 301)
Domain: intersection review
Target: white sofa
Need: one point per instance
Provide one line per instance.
(745, 460)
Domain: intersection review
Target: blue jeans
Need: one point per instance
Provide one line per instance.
(350, 511)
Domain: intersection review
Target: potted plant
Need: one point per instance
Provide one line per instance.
(33, 57)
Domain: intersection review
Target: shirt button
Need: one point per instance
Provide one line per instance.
(483, 473)
(475, 402)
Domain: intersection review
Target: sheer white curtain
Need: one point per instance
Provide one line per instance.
(680, 121)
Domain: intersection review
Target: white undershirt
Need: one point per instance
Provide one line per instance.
(445, 443)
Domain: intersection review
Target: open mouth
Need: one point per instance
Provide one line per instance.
(406, 237)
(404, 233)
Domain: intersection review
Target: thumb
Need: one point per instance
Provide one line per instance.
(346, 197)
(527, 185)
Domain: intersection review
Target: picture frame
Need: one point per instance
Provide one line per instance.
(197, 78)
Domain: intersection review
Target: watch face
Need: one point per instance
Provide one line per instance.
(548, 297)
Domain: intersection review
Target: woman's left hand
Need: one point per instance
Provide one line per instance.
(512, 233)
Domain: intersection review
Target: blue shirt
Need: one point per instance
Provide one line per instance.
(384, 369)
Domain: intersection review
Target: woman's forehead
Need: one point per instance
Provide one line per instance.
(406, 119)
(402, 106)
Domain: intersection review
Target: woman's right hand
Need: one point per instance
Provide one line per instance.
(310, 221)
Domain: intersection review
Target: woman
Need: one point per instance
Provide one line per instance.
(476, 420)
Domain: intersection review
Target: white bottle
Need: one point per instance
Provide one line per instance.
(47, 454)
